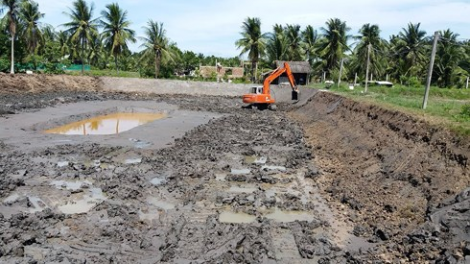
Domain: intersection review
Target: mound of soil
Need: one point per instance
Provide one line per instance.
(390, 173)
(35, 83)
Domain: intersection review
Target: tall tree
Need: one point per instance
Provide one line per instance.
(369, 35)
(294, 38)
(309, 43)
(277, 45)
(29, 17)
(13, 7)
(116, 31)
(449, 54)
(82, 27)
(252, 42)
(412, 47)
(334, 43)
(157, 44)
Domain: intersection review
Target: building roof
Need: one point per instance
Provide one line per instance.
(296, 66)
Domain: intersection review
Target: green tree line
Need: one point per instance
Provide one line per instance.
(403, 58)
(102, 42)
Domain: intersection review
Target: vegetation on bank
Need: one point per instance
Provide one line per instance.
(448, 107)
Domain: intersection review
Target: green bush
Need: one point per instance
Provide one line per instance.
(53, 68)
(4, 65)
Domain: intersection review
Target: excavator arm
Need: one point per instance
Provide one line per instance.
(276, 73)
(261, 96)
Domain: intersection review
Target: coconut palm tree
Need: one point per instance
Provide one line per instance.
(252, 42)
(277, 44)
(157, 44)
(82, 28)
(369, 35)
(13, 7)
(334, 43)
(116, 31)
(449, 54)
(29, 17)
(294, 38)
(309, 43)
(412, 47)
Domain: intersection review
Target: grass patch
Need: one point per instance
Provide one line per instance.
(447, 107)
(110, 73)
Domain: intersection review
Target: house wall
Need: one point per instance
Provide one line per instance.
(208, 71)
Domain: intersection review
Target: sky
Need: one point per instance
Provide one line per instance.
(211, 27)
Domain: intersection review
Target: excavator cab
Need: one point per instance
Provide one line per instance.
(257, 89)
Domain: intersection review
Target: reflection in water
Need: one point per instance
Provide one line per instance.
(107, 124)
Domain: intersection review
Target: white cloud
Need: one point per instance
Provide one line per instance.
(212, 27)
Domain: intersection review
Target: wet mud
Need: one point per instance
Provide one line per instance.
(330, 181)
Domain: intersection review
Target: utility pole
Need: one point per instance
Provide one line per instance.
(369, 47)
(340, 72)
(431, 67)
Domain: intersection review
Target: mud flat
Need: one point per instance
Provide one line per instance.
(327, 180)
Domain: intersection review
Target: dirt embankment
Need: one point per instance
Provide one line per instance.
(21, 83)
(391, 173)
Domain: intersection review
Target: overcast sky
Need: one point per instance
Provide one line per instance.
(211, 27)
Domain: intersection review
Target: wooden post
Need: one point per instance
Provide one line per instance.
(431, 67)
(340, 72)
(466, 86)
(369, 47)
(355, 79)
(324, 76)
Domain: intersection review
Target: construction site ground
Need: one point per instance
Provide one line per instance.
(322, 180)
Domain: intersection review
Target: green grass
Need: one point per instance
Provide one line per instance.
(447, 107)
(111, 73)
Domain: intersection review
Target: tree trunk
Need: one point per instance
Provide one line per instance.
(116, 62)
(158, 60)
(83, 66)
(12, 68)
(253, 76)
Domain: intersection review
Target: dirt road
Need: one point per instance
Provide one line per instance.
(331, 181)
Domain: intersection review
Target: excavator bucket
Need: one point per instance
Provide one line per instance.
(295, 95)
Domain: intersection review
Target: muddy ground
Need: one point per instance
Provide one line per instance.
(331, 181)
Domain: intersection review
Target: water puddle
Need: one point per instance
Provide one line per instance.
(71, 185)
(133, 161)
(255, 160)
(36, 204)
(278, 168)
(236, 218)
(84, 204)
(148, 216)
(289, 216)
(11, 199)
(220, 177)
(62, 164)
(242, 189)
(106, 124)
(240, 171)
(160, 204)
(158, 181)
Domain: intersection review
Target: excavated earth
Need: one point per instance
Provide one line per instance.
(327, 181)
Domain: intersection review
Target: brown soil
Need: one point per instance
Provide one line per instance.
(375, 185)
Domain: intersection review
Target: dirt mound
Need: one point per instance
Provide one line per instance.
(386, 170)
(36, 83)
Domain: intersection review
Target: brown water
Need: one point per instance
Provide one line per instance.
(107, 124)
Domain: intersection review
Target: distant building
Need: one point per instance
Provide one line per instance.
(221, 71)
(300, 69)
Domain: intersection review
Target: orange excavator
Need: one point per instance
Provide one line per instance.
(260, 97)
